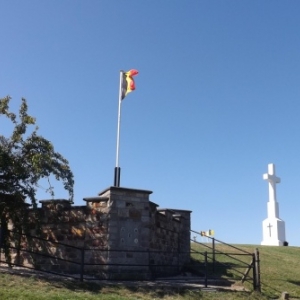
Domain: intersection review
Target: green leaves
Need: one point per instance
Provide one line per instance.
(25, 158)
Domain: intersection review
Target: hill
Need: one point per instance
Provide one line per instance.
(280, 271)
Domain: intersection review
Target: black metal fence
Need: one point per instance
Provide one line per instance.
(211, 260)
(224, 260)
(92, 263)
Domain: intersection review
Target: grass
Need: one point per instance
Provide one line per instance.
(279, 267)
(18, 287)
(280, 271)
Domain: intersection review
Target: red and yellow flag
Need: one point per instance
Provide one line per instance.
(128, 83)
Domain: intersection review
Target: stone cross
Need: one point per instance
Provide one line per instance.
(271, 177)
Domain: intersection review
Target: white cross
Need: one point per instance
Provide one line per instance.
(271, 177)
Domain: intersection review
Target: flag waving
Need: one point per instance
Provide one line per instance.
(128, 82)
(126, 86)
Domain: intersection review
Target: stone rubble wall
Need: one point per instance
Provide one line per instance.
(123, 234)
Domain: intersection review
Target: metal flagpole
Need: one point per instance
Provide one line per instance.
(117, 168)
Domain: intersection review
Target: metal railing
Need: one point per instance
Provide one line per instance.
(63, 259)
(71, 261)
(228, 258)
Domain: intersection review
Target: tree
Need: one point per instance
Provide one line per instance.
(25, 158)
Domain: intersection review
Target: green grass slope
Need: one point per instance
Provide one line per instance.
(279, 267)
(280, 271)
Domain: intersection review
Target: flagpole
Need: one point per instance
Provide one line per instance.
(117, 168)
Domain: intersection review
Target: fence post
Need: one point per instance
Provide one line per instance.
(3, 232)
(205, 265)
(1, 236)
(82, 264)
(178, 253)
(254, 273)
(257, 270)
(1, 241)
(214, 254)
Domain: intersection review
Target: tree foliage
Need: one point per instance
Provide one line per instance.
(25, 158)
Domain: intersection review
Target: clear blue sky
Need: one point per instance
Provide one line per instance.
(217, 99)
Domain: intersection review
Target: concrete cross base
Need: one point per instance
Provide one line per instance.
(272, 243)
(273, 232)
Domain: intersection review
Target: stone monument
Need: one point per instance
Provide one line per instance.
(273, 226)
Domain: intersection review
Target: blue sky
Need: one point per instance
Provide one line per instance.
(216, 100)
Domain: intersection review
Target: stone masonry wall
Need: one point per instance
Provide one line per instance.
(123, 234)
(170, 240)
